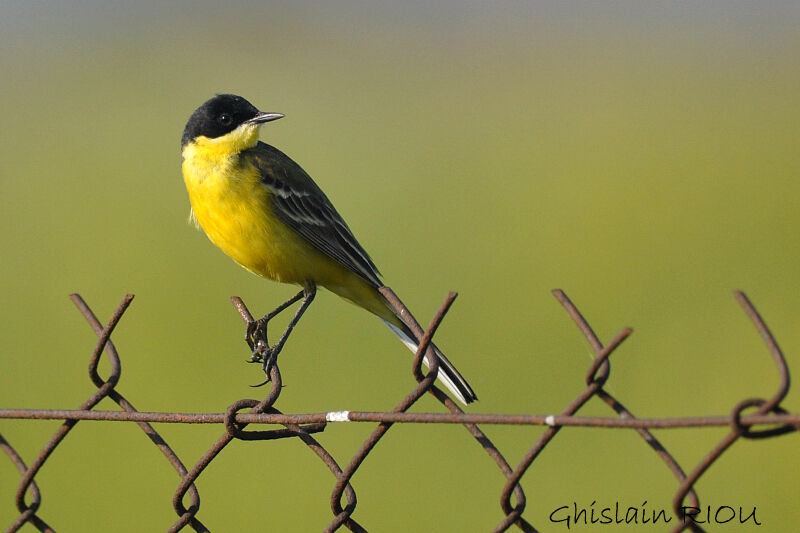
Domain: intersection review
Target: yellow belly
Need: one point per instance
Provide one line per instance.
(235, 213)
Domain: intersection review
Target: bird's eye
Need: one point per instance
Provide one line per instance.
(225, 119)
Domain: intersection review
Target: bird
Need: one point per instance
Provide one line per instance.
(267, 214)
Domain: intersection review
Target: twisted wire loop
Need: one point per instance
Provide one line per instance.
(596, 377)
(425, 383)
(603, 353)
(235, 430)
(515, 515)
(737, 428)
(342, 515)
(105, 389)
(29, 513)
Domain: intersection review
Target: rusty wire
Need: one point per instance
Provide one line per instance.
(768, 414)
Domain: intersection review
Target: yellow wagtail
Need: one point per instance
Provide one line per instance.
(269, 216)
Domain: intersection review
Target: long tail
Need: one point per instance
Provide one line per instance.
(448, 374)
(367, 296)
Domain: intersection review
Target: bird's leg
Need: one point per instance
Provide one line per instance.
(308, 292)
(268, 355)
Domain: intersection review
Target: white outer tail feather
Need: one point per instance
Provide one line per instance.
(442, 376)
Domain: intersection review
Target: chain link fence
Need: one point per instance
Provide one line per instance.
(766, 419)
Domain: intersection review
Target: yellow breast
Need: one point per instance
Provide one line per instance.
(234, 209)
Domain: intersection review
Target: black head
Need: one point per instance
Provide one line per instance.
(222, 114)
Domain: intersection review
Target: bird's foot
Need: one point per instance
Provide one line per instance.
(269, 360)
(262, 352)
(256, 338)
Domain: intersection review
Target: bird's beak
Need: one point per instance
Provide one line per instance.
(261, 118)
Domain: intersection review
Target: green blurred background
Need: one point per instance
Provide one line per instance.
(643, 157)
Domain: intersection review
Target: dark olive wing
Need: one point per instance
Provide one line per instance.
(300, 204)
